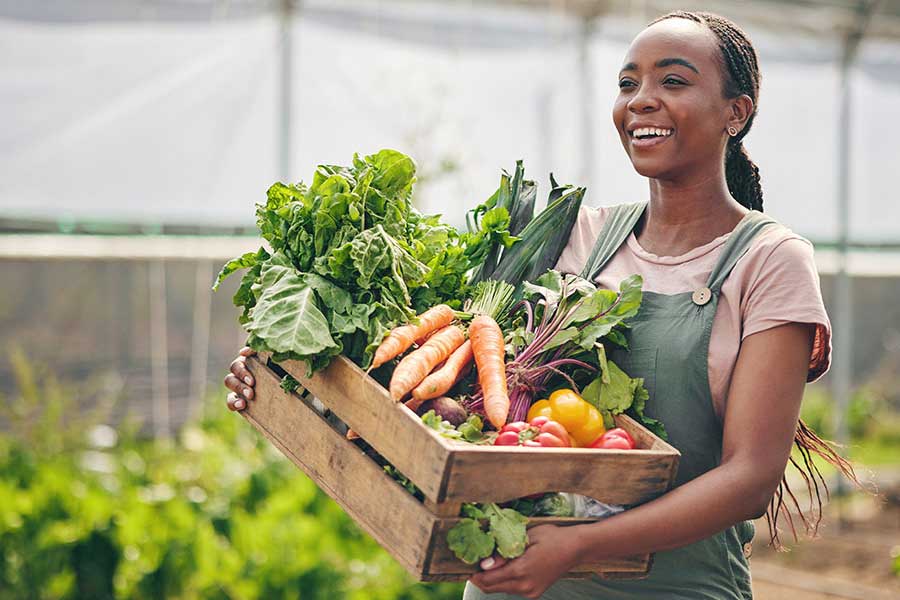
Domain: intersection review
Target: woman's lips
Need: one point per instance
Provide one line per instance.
(649, 142)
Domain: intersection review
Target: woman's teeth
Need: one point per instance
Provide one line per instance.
(645, 132)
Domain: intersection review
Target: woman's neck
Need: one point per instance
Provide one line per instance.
(681, 216)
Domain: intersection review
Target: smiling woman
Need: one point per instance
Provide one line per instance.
(731, 327)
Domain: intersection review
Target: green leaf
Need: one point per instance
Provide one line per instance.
(444, 428)
(562, 337)
(554, 245)
(289, 384)
(618, 338)
(332, 296)
(509, 530)
(614, 397)
(395, 172)
(641, 396)
(469, 542)
(287, 318)
(245, 261)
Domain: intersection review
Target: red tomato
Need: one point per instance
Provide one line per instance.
(616, 443)
(619, 432)
(507, 438)
(548, 440)
(532, 443)
(517, 426)
(557, 430)
(613, 442)
(539, 421)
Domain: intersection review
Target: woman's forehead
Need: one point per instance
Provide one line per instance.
(674, 38)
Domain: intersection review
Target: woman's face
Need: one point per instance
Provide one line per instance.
(671, 113)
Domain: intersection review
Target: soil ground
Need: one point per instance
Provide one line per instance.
(852, 557)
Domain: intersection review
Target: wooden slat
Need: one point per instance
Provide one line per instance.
(616, 477)
(629, 477)
(383, 509)
(444, 566)
(392, 429)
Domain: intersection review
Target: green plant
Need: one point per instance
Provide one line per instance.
(217, 513)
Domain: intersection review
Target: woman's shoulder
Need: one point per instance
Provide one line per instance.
(777, 244)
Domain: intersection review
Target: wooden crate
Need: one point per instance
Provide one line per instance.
(446, 471)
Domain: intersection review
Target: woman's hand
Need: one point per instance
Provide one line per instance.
(551, 553)
(240, 381)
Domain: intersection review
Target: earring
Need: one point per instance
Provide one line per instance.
(732, 131)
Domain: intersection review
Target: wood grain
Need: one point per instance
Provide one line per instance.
(381, 507)
(389, 427)
(447, 472)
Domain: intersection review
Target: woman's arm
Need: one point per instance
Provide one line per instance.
(760, 422)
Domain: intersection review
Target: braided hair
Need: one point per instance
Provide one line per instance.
(741, 76)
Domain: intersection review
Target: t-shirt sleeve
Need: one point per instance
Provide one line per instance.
(786, 289)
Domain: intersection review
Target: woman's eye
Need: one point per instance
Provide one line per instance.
(625, 83)
(672, 81)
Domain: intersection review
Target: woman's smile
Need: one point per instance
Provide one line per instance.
(644, 137)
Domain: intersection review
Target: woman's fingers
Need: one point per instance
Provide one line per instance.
(235, 402)
(238, 387)
(239, 369)
(247, 351)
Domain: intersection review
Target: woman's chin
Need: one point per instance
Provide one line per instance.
(652, 169)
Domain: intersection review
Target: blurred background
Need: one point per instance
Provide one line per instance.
(138, 134)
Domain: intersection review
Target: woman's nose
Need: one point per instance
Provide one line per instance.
(643, 101)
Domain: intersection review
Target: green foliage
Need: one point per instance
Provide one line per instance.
(216, 513)
(486, 527)
(350, 259)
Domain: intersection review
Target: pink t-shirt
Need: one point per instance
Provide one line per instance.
(774, 283)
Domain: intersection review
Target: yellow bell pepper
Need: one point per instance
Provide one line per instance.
(583, 422)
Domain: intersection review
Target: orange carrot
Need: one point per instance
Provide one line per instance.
(414, 403)
(490, 354)
(438, 383)
(417, 365)
(401, 338)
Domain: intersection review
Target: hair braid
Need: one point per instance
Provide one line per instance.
(741, 76)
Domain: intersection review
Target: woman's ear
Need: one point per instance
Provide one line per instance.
(741, 110)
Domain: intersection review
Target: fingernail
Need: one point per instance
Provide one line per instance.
(247, 392)
(487, 563)
(239, 404)
(248, 381)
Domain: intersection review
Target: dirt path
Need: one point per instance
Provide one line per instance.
(853, 561)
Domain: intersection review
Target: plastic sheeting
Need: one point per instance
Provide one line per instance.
(167, 122)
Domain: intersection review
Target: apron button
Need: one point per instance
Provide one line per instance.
(748, 550)
(701, 296)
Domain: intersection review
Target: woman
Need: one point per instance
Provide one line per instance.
(731, 328)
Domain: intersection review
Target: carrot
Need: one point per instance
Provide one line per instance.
(490, 354)
(401, 338)
(441, 380)
(417, 365)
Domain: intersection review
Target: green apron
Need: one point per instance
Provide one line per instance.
(669, 341)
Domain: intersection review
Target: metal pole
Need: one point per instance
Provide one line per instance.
(159, 352)
(200, 335)
(586, 102)
(843, 331)
(286, 78)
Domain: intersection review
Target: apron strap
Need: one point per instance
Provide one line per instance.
(616, 229)
(737, 245)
